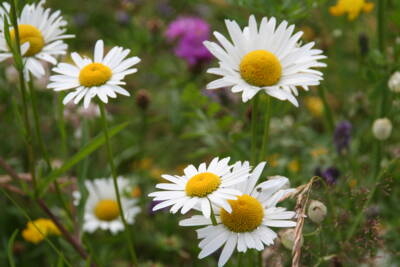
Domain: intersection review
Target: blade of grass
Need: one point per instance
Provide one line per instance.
(10, 246)
(96, 143)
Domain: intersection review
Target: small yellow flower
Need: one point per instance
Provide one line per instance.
(352, 7)
(318, 152)
(314, 105)
(294, 166)
(272, 160)
(136, 192)
(37, 230)
(352, 183)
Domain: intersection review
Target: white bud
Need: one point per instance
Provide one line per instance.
(394, 82)
(287, 238)
(11, 74)
(317, 211)
(382, 128)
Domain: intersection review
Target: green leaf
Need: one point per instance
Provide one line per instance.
(82, 154)
(10, 246)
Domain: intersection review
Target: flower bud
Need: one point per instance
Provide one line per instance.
(317, 211)
(394, 82)
(287, 238)
(382, 128)
(142, 99)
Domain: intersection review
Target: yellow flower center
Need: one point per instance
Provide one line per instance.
(260, 68)
(94, 74)
(29, 33)
(202, 184)
(247, 214)
(107, 210)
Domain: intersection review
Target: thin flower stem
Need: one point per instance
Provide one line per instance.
(254, 128)
(268, 113)
(359, 217)
(22, 85)
(42, 146)
(117, 192)
(213, 218)
(330, 121)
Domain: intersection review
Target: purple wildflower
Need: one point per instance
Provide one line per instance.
(190, 32)
(342, 136)
(330, 174)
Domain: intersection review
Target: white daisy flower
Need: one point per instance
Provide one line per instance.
(99, 77)
(198, 188)
(101, 207)
(41, 34)
(248, 225)
(267, 58)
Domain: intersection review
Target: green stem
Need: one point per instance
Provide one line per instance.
(330, 121)
(377, 158)
(117, 191)
(359, 217)
(254, 128)
(42, 146)
(264, 145)
(61, 124)
(213, 218)
(381, 24)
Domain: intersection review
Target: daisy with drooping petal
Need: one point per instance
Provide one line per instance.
(41, 35)
(101, 206)
(248, 225)
(198, 188)
(267, 58)
(99, 77)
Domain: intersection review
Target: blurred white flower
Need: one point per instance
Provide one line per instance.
(382, 128)
(394, 82)
(41, 34)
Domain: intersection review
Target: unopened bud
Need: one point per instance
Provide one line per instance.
(394, 82)
(382, 128)
(317, 211)
(142, 99)
(287, 238)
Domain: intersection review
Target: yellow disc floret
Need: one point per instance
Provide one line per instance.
(29, 33)
(94, 74)
(107, 210)
(247, 214)
(260, 68)
(202, 184)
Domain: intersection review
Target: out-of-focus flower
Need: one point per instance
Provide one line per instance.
(330, 174)
(342, 136)
(382, 128)
(394, 82)
(287, 238)
(266, 57)
(294, 166)
(352, 7)
(248, 225)
(314, 105)
(39, 229)
(190, 33)
(337, 33)
(80, 19)
(101, 207)
(317, 211)
(11, 74)
(142, 99)
(136, 192)
(100, 77)
(352, 183)
(122, 17)
(318, 152)
(308, 33)
(41, 34)
(272, 160)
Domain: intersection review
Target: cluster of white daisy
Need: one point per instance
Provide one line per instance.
(236, 212)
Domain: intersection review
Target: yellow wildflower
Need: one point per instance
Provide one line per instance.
(37, 230)
(314, 105)
(352, 7)
(352, 183)
(318, 152)
(136, 192)
(272, 160)
(294, 166)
